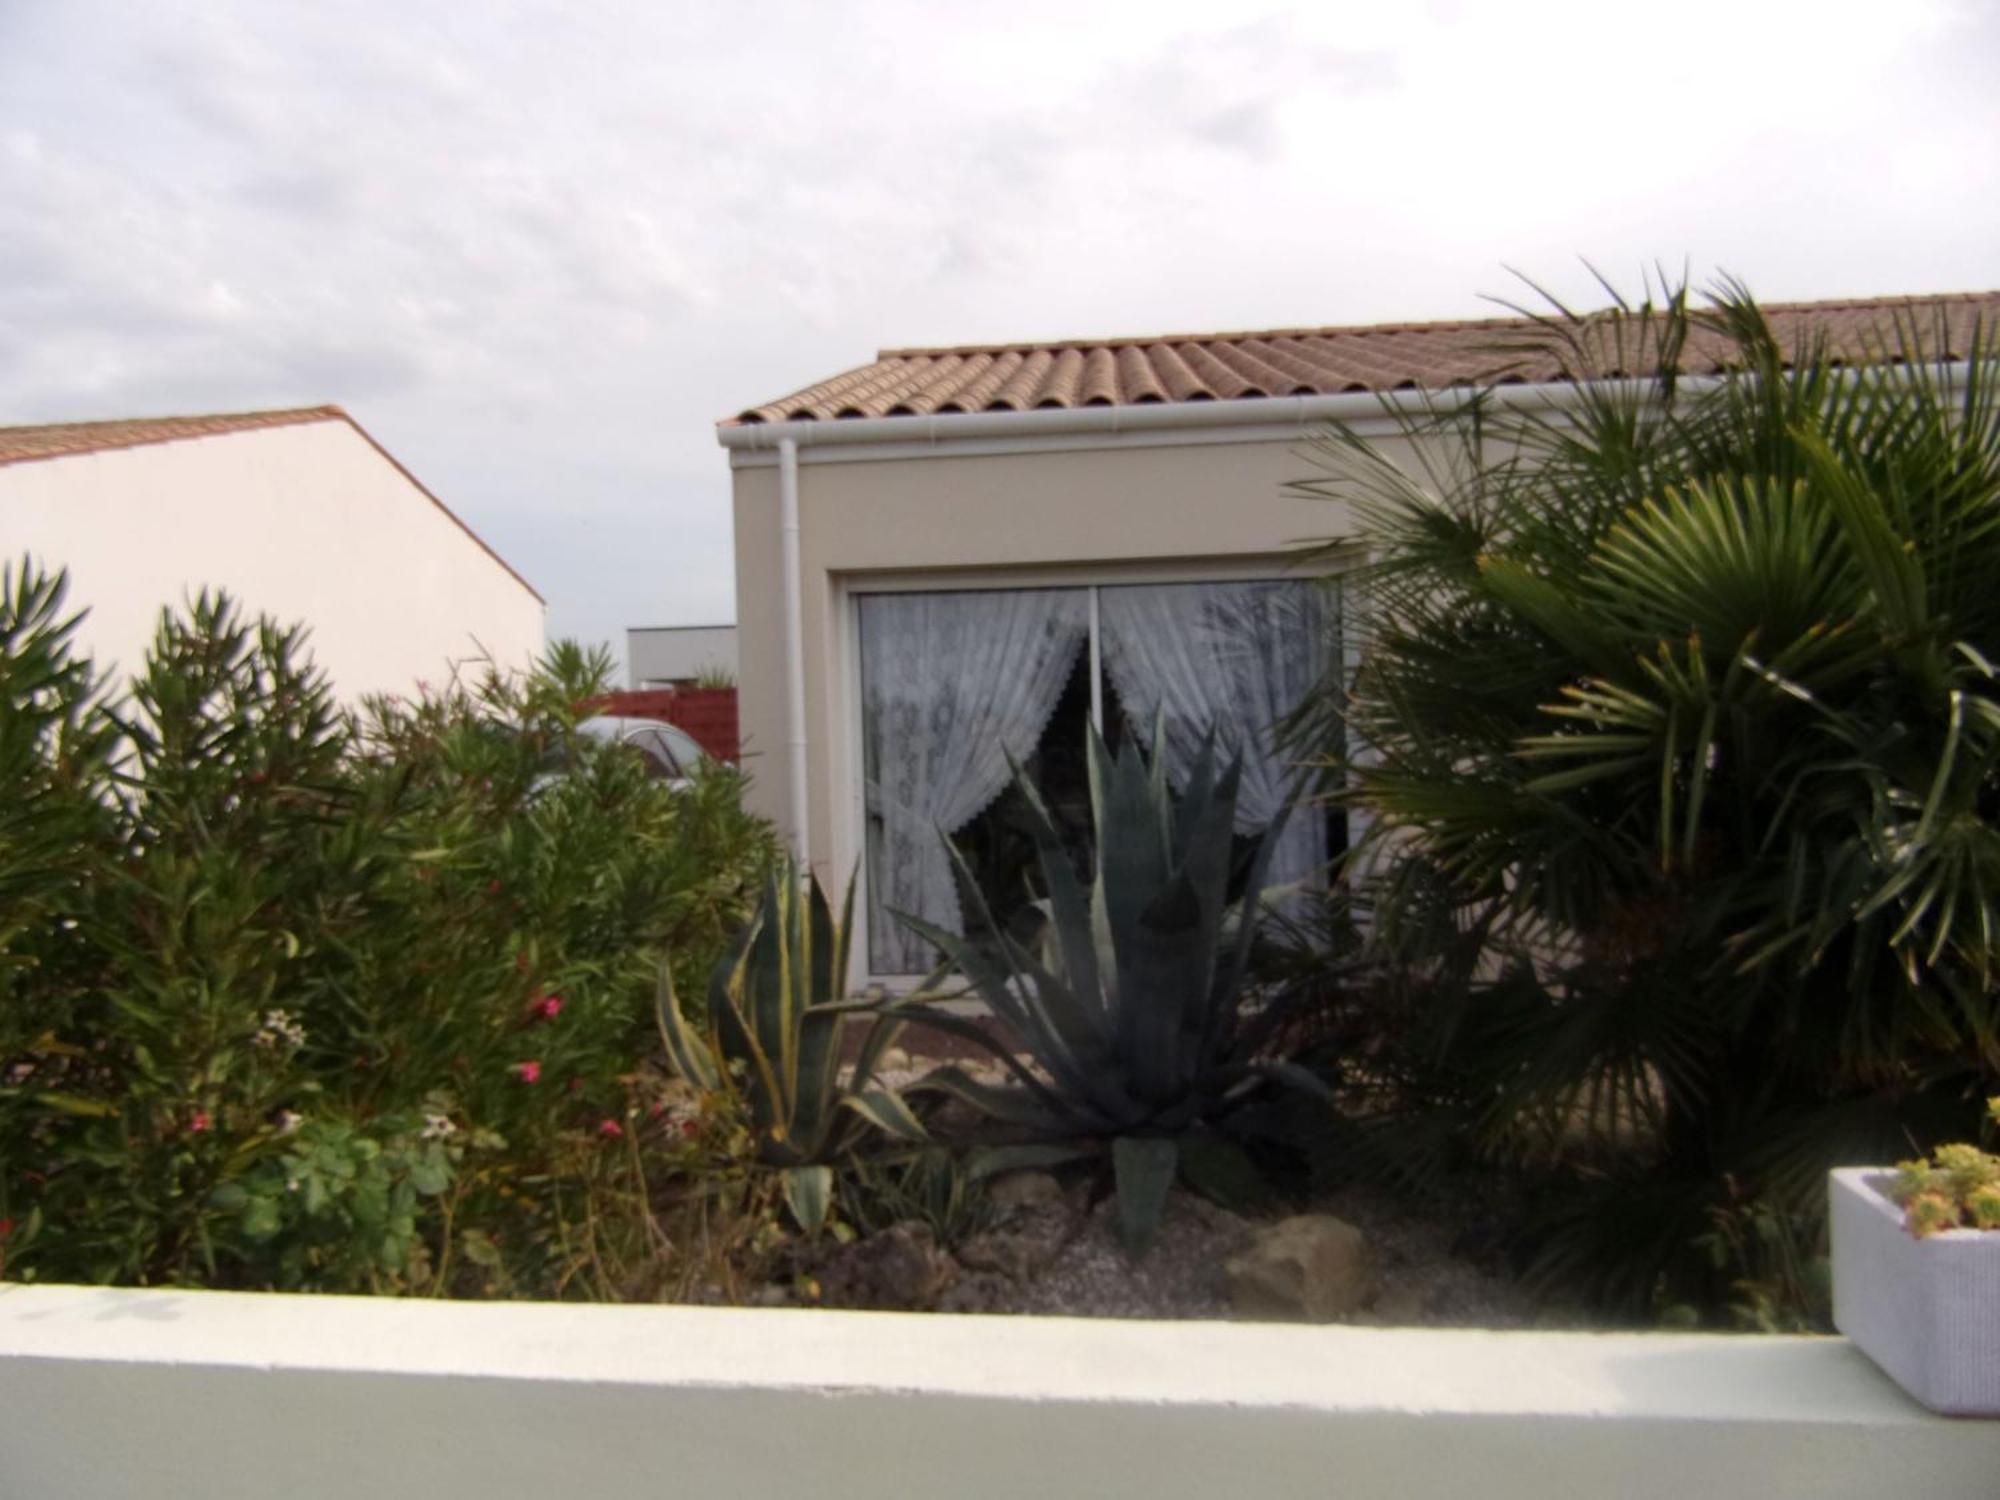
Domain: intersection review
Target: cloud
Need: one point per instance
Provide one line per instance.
(538, 250)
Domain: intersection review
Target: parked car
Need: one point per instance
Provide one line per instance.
(671, 753)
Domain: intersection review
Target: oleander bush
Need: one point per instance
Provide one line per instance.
(297, 997)
(1679, 735)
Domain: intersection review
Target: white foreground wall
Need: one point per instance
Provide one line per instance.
(109, 1393)
(308, 521)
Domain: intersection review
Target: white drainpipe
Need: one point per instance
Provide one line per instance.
(795, 647)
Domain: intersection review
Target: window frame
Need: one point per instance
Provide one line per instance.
(849, 820)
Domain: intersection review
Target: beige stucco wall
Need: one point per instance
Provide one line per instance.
(1185, 509)
(307, 523)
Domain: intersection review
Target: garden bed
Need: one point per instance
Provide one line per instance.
(1360, 1256)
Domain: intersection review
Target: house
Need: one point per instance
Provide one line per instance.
(680, 656)
(299, 514)
(953, 556)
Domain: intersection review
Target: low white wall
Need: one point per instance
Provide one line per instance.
(108, 1393)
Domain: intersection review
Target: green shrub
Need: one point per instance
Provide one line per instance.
(1683, 763)
(393, 954)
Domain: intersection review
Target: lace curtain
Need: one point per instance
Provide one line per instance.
(1237, 657)
(951, 685)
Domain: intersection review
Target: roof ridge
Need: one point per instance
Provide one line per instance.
(1433, 325)
(327, 412)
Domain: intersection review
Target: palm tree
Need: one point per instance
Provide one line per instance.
(1682, 737)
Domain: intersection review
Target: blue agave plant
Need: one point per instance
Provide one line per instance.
(1136, 1009)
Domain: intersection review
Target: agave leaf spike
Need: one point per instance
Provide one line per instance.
(776, 1017)
(1070, 913)
(1042, 1005)
(686, 1051)
(809, 1195)
(1144, 1167)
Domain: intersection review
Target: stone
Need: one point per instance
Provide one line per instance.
(1010, 1192)
(1309, 1268)
(1018, 1253)
(1032, 1220)
(902, 1268)
(1400, 1306)
(979, 1292)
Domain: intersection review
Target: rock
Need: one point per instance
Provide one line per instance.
(1020, 1252)
(980, 1292)
(900, 1268)
(1013, 1191)
(1311, 1268)
(1033, 1219)
(1400, 1306)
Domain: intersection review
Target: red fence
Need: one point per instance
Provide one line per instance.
(707, 714)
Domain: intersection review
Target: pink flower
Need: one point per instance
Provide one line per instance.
(6, 1228)
(198, 1122)
(549, 1007)
(611, 1130)
(688, 1128)
(492, 887)
(529, 1071)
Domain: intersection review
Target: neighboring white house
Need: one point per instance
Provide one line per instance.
(664, 656)
(950, 557)
(297, 514)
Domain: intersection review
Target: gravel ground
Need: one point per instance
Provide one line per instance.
(1425, 1282)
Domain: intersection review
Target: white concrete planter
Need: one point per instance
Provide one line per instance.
(1927, 1311)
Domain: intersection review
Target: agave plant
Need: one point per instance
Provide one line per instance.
(772, 1038)
(1136, 1011)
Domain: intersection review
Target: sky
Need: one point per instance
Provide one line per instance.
(538, 250)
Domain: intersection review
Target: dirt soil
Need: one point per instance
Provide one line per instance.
(1058, 1255)
(1426, 1283)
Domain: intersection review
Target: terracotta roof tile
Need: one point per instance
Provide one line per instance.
(1312, 361)
(56, 439)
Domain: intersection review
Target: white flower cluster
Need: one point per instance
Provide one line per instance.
(281, 1032)
(437, 1127)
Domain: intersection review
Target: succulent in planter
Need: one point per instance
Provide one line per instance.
(1916, 1273)
(1956, 1187)
(1135, 1008)
(772, 1033)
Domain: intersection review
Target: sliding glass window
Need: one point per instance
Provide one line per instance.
(953, 684)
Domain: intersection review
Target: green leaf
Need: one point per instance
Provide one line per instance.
(809, 1195)
(1143, 1167)
(261, 1219)
(886, 1111)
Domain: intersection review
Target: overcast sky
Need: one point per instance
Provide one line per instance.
(539, 249)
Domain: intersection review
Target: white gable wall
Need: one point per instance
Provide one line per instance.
(306, 523)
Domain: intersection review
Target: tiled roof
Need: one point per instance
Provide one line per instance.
(66, 439)
(1302, 361)
(57, 439)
